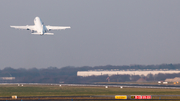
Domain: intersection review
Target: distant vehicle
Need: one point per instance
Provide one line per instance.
(39, 28)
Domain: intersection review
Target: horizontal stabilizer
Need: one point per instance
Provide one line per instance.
(36, 33)
(57, 27)
(48, 33)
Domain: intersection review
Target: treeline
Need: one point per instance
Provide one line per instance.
(69, 74)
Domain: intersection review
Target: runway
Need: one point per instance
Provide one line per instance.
(99, 85)
(129, 86)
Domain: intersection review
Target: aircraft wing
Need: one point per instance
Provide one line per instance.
(31, 27)
(57, 27)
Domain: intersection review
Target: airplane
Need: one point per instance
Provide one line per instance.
(39, 28)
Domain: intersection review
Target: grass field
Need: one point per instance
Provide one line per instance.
(36, 90)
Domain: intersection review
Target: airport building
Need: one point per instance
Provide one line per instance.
(6, 79)
(138, 72)
(176, 79)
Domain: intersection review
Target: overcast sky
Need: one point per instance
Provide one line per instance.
(103, 32)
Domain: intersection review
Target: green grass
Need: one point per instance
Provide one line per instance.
(26, 90)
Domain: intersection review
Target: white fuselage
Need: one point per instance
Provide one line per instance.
(40, 28)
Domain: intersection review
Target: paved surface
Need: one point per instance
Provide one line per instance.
(109, 85)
